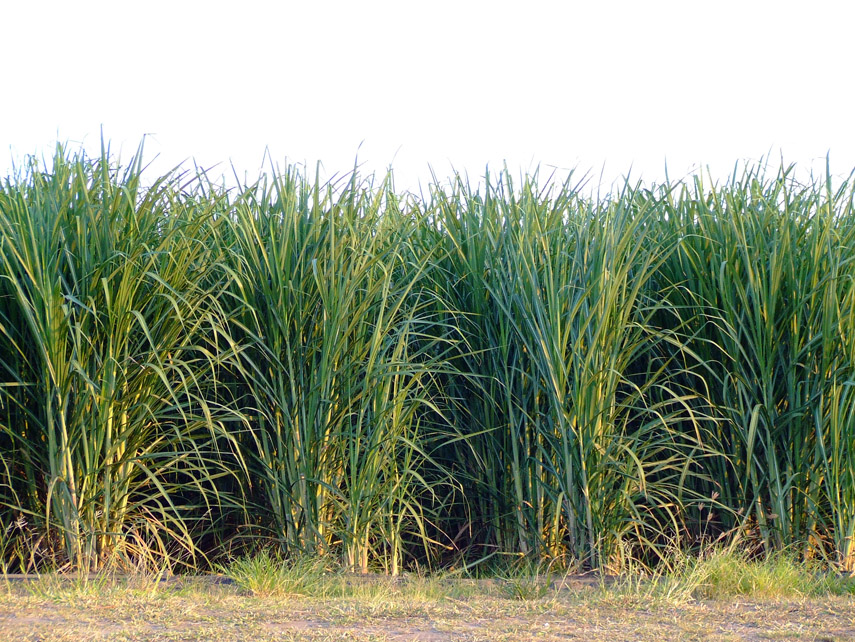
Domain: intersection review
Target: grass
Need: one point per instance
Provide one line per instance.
(264, 574)
(728, 575)
(719, 574)
(340, 605)
(401, 384)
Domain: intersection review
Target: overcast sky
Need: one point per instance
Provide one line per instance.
(601, 85)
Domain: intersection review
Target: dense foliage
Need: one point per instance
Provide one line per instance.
(393, 380)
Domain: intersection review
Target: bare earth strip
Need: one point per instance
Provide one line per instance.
(222, 614)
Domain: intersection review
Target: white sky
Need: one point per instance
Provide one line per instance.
(435, 82)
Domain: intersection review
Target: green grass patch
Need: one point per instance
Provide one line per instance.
(265, 574)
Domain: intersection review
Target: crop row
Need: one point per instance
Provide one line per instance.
(400, 381)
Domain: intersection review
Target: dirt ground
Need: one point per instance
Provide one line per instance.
(50, 612)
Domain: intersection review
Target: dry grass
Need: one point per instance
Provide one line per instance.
(53, 610)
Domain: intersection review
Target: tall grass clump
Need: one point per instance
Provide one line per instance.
(764, 278)
(328, 292)
(109, 313)
(576, 446)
